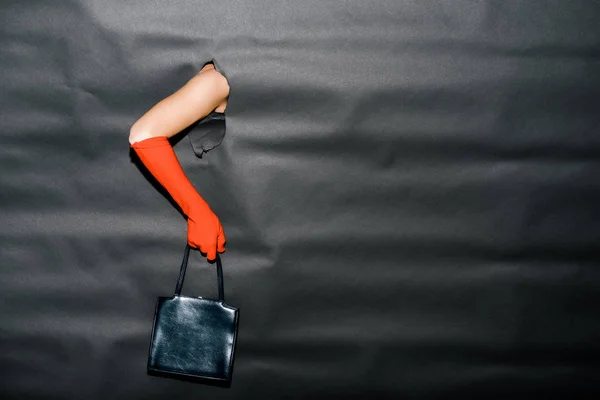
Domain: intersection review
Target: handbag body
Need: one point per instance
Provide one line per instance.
(193, 338)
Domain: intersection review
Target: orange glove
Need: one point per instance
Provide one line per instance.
(204, 228)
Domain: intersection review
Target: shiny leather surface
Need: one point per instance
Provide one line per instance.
(208, 133)
(193, 337)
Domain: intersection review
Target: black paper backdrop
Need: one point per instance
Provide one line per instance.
(409, 190)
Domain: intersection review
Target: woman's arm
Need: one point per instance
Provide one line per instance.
(207, 91)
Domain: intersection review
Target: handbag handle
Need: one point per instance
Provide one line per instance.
(186, 255)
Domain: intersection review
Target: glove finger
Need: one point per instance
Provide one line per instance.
(192, 243)
(221, 242)
(211, 254)
(192, 235)
(202, 247)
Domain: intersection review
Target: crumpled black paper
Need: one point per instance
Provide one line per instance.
(409, 192)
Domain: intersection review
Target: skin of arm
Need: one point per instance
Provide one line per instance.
(205, 92)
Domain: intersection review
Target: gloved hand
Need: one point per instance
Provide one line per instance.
(204, 229)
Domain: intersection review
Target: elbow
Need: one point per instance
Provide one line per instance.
(138, 133)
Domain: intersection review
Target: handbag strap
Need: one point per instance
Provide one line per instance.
(186, 255)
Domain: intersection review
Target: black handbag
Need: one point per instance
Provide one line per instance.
(193, 338)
